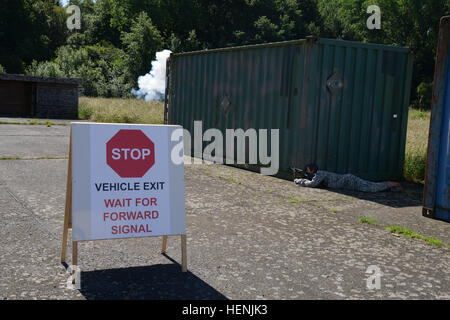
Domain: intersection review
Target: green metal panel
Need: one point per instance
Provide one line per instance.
(341, 104)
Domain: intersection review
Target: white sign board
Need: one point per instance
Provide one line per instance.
(124, 182)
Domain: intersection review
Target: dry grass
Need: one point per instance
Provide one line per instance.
(139, 111)
(416, 145)
(121, 110)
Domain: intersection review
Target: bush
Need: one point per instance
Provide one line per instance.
(424, 94)
(45, 69)
(100, 68)
(420, 114)
(414, 167)
(2, 70)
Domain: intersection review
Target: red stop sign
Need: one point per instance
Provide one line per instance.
(130, 153)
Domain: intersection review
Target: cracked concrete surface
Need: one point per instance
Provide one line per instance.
(249, 237)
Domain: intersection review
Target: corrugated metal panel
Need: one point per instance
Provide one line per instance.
(341, 104)
(436, 200)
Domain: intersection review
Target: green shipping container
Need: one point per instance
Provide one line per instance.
(340, 104)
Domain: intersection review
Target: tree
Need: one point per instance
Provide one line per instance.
(141, 45)
(413, 23)
(29, 30)
(239, 22)
(96, 24)
(120, 37)
(266, 31)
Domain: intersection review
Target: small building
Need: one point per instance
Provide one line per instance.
(40, 97)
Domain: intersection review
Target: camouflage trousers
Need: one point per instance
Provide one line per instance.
(352, 182)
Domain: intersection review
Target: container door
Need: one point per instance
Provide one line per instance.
(443, 173)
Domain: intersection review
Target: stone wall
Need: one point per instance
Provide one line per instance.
(56, 101)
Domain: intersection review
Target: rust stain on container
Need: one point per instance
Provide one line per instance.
(436, 197)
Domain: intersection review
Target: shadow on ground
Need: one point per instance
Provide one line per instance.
(412, 195)
(156, 282)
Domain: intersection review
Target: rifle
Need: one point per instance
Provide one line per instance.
(301, 174)
(298, 173)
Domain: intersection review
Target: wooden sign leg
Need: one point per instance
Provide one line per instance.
(74, 260)
(64, 238)
(68, 207)
(183, 253)
(164, 244)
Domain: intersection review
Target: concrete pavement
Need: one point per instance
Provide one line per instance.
(249, 237)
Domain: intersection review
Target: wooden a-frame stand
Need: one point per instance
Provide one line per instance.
(68, 225)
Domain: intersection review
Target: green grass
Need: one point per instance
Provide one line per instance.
(234, 180)
(369, 220)
(231, 178)
(297, 200)
(419, 114)
(33, 122)
(32, 158)
(333, 210)
(407, 233)
(11, 122)
(121, 110)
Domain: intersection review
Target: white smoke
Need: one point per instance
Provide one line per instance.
(152, 86)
